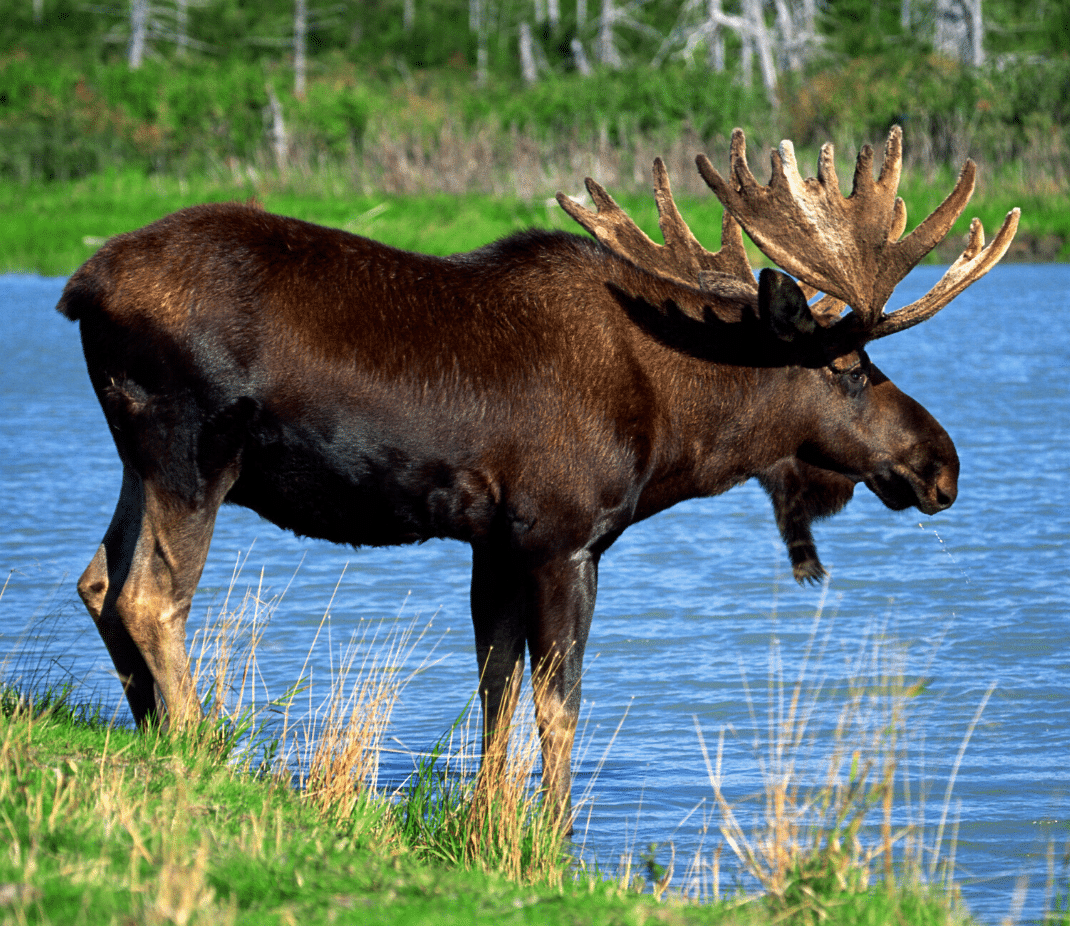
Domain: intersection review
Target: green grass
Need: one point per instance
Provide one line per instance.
(105, 825)
(51, 229)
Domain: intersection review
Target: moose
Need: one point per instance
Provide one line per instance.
(532, 398)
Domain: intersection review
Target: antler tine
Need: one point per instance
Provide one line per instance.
(679, 239)
(910, 250)
(737, 160)
(892, 166)
(973, 264)
(848, 247)
(682, 258)
(808, 228)
(863, 177)
(731, 260)
(826, 167)
(612, 226)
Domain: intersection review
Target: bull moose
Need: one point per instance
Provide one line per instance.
(532, 398)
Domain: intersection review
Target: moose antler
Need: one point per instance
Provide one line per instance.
(682, 258)
(850, 247)
(971, 265)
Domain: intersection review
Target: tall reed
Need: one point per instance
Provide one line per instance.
(820, 835)
(494, 819)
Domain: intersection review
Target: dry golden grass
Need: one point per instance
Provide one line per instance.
(338, 742)
(330, 740)
(508, 823)
(815, 835)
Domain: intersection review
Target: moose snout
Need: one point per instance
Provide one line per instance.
(934, 468)
(938, 482)
(944, 491)
(947, 489)
(923, 480)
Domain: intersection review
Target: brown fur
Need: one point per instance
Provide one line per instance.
(532, 398)
(802, 494)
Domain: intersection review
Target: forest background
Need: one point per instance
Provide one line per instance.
(112, 115)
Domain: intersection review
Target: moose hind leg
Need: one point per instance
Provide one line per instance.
(98, 587)
(139, 587)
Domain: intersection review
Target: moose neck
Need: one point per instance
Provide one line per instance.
(725, 425)
(731, 400)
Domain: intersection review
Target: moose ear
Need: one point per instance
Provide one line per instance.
(782, 306)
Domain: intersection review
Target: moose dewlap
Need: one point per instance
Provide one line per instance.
(532, 398)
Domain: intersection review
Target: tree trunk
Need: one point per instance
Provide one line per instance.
(527, 54)
(139, 28)
(279, 142)
(714, 36)
(789, 37)
(477, 22)
(300, 42)
(764, 46)
(607, 53)
(579, 58)
(960, 30)
(977, 34)
(182, 27)
(746, 58)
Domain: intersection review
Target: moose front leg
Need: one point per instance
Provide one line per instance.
(549, 606)
(801, 494)
(499, 614)
(564, 595)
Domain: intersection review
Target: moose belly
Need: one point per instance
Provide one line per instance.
(349, 485)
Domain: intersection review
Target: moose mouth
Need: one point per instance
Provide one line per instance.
(899, 488)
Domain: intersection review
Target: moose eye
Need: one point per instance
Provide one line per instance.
(855, 380)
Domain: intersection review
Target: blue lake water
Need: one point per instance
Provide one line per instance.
(696, 609)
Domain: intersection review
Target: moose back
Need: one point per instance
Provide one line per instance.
(532, 398)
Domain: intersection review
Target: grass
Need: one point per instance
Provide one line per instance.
(51, 228)
(105, 825)
(816, 849)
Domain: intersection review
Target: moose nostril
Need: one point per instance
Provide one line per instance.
(946, 492)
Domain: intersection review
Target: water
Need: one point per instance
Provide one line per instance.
(690, 603)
